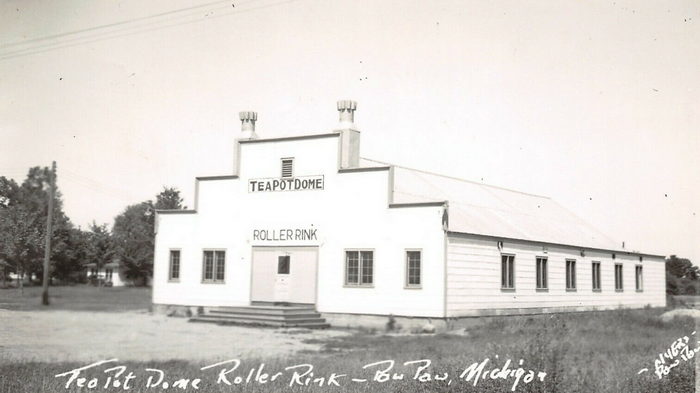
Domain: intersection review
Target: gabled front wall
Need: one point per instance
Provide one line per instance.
(474, 279)
(351, 212)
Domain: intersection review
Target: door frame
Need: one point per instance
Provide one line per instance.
(282, 248)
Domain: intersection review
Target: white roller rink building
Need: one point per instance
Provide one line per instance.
(305, 230)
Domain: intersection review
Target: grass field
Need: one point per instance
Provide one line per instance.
(583, 352)
(78, 298)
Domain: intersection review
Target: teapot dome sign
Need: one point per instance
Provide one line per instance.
(300, 183)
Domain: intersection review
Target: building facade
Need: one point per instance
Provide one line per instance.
(304, 220)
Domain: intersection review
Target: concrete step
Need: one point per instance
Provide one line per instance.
(316, 323)
(261, 311)
(275, 317)
(270, 318)
(269, 315)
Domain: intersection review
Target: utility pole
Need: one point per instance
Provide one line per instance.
(49, 232)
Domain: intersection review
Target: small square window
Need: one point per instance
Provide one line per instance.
(541, 273)
(507, 271)
(638, 278)
(619, 287)
(174, 273)
(359, 268)
(570, 274)
(214, 266)
(413, 269)
(595, 273)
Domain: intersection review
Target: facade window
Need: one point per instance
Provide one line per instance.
(570, 274)
(283, 264)
(214, 266)
(618, 278)
(596, 275)
(359, 268)
(174, 274)
(541, 273)
(413, 269)
(108, 275)
(508, 271)
(287, 167)
(638, 278)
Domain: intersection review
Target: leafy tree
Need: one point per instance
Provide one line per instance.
(23, 214)
(134, 237)
(169, 199)
(681, 276)
(682, 268)
(100, 245)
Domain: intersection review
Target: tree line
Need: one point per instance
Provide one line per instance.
(23, 217)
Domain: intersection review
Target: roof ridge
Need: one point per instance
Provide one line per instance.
(457, 178)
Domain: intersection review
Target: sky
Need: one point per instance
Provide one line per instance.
(595, 104)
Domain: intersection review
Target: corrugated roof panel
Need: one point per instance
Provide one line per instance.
(482, 209)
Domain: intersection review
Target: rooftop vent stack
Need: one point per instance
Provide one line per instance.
(248, 125)
(349, 135)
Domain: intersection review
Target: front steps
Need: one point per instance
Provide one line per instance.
(278, 316)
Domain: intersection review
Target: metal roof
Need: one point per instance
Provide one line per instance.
(482, 209)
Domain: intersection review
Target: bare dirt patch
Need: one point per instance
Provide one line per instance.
(88, 336)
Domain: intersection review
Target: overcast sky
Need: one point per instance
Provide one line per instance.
(596, 104)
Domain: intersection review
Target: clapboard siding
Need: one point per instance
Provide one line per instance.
(474, 279)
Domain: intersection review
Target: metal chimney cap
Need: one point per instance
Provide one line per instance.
(347, 105)
(248, 115)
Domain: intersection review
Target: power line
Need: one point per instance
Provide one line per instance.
(110, 35)
(74, 32)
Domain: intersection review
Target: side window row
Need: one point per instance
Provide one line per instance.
(359, 268)
(508, 274)
(213, 266)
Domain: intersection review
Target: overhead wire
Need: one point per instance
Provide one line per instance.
(118, 34)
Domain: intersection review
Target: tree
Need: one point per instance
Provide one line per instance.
(134, 236)
(23, 214)
(99, 245)
(169, 199)
(681, 276)
(682, 268)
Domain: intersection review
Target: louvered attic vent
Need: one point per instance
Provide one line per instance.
(287, 167)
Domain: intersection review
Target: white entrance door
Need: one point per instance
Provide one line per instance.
(284, 274)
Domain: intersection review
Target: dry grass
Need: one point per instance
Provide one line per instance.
(587, 352)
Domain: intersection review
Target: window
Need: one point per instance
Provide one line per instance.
(618, 278)
(214, 266)
(596, 276)
(287, 167)
(570, 274)
(413, 269)
(507, 271)
(108, 274)
(174, 274)
(359, 268)
(283, 262)
(541, 273)
(638, 278)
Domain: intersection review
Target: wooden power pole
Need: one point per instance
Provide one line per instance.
(49, 232)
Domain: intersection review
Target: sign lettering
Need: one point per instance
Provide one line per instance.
(284, 234)
(294, 184)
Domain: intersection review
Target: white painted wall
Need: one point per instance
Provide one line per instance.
(350, 212)
(474, 279)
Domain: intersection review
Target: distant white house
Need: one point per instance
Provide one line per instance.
(110, 273)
